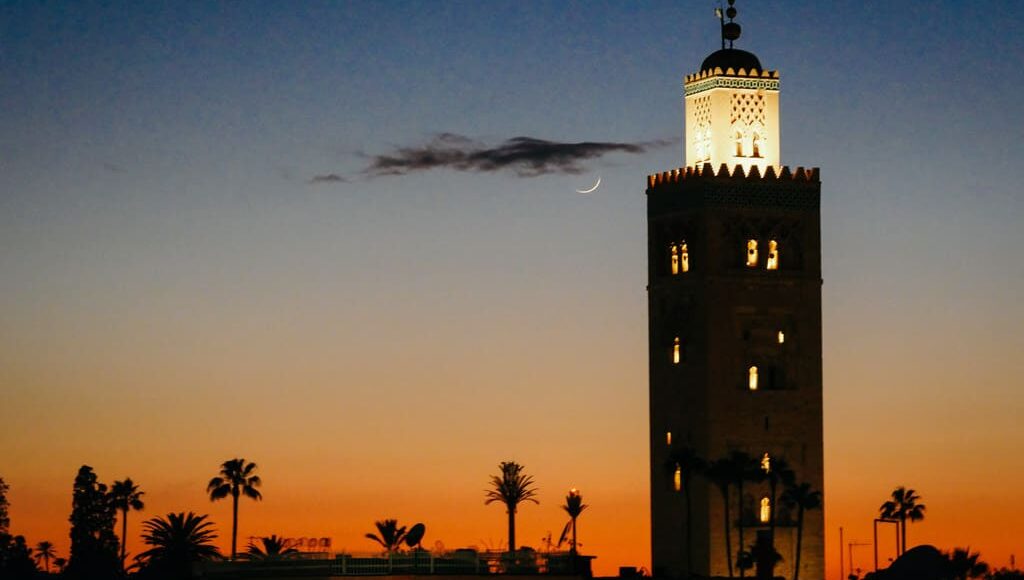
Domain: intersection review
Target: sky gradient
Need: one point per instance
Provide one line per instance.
(177, 287)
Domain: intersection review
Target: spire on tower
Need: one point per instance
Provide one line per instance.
(730, 30)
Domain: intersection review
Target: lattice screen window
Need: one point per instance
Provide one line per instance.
(702, 128)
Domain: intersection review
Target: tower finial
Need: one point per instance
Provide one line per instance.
(730, 30)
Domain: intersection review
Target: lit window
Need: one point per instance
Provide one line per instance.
(757, 145)
(766, 510)
(684, 257)
(675, 351)
(766, 463)
(782, 337)
(773, 255)
(752, 378)
(675, 259)
(668, 437)
(751, 253)
(739, 144)
(677, 479)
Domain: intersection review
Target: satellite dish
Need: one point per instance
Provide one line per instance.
(415, 535)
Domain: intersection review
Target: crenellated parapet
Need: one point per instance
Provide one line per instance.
(806, 175)
(731, 79)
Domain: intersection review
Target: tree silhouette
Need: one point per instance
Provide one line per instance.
(685, 462)
(747, 469)
(93, 542)
(722, 473)
(16, 558)
(126, 496)
(802, 497)
(45, 551)
(511, 488)
(778, 472)
(236, 478)
(391, 535)
(963, 564)
(902, 507)
(177, 542)
(5, 520)
(270, 548)
(573, 506)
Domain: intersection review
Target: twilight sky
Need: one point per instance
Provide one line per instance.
(202, 257)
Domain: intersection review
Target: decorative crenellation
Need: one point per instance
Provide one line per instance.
(810, 175)
(730, 79)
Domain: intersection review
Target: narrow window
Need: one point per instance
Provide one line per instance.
(739, 144)
(752, 378)
(668, 437)
(781, 337)
(675, 259)
(675, 351)
(757, 145)
(684, 257)
(677, 479)
(751, 253)
(766, 463)
(773, 255)
(766, 510)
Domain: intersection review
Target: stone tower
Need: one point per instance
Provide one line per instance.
(734, 307)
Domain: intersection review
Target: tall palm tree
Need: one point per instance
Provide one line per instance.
(391, 535)
(126, 496)
(747, 469)
(574, 506)
(802, 497)
(902, 507)
(777, 471)
(511, 487)
(963, 564)
(684, 462)
(270, 548)
(178, 541)
(722, 473)
(45, 551)
(236, 479)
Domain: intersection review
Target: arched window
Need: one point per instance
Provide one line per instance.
(684, 257)
(752, 378)
(766, 463)
(675, 259)
(677, 479)
(738, 137)
(675, 351)
(751, 253)
(756, 145)
(766, 510)
(773, 255)
(781, 337)
(668, 438)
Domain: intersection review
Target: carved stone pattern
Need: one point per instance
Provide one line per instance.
(731, 83)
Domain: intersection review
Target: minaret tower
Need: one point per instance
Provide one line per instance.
(734, 307)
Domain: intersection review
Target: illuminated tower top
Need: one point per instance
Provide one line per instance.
(732, 107)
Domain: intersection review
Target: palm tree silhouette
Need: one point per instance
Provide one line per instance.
(900, 508)
(236, 478)
(511, 488)
(747, 469)
(802, 497)
(778, 472)
(963, 564)
(126, 496)
(391, 535)
(722, 473)
(685, 462)
(574, 506)
(270, 548)
(178, 541)
(45, 551)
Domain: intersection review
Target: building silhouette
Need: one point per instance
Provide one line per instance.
(734, 307)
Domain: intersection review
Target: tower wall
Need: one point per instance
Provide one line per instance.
(727, 315)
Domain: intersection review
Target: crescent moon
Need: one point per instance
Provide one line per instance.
(592, 189)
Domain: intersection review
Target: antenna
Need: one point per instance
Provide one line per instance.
(730, 30)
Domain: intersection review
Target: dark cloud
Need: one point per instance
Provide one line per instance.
(328, 178)
(524, 156)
